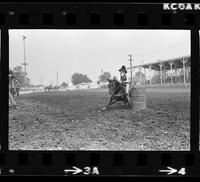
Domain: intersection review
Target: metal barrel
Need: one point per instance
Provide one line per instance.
(138, 98)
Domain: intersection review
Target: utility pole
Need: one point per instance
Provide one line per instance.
(101, 77)
(141, 72)
(24, 63)
(57, 80)
(130, 59)
(41, 81)
(161, 73)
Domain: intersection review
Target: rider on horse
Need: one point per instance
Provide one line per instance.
(123, 77)
(117, 89)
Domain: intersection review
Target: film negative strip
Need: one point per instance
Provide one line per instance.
(100, 89)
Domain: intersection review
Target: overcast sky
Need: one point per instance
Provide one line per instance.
(90, 51)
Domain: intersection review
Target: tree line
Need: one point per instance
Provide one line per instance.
(76, 78)
(19, 75)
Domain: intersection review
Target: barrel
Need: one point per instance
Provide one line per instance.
(138, 98)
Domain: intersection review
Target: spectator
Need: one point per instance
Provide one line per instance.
(12, 102)
(17, 87)
(12, 83)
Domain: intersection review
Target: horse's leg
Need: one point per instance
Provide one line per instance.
(104, 108)
(112, 101)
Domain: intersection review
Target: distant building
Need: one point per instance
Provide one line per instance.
(84, 85)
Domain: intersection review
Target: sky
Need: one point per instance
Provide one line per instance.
(65, 52)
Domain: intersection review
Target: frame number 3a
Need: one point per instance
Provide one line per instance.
(182, 171)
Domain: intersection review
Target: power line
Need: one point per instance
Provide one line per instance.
(160, 50)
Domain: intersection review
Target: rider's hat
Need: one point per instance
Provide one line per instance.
(123, 69)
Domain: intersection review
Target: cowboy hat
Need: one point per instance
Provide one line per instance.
(123, 68)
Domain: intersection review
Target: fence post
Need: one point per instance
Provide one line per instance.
(150, 71)
(183, 60)
(171, 63)
(161, 65)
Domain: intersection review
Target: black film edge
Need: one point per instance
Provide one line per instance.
(96, 162)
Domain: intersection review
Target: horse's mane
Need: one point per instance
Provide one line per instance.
(118, 87)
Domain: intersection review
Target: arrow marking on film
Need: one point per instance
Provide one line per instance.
(76, 170)
(169, 170)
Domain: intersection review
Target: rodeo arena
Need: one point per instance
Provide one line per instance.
(147, 108)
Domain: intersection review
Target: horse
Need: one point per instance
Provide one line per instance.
(118, 92)
(48, 88)
(56, 88)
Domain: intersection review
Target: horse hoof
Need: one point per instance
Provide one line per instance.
(102, 109)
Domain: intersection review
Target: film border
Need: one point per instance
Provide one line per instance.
(109, 16)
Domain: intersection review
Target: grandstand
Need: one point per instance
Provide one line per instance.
(173, 71)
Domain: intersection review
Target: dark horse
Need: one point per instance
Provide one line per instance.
(48, 88)
(56, 88)
(118, 93)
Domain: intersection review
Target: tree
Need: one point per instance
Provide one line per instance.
(64, 85)
(104, 77)
(78, 78)
(115, 77)
(19, 75)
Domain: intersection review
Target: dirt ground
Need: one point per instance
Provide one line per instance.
(69, 120)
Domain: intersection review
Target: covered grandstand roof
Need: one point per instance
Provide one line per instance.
(166, 66)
